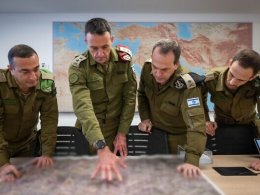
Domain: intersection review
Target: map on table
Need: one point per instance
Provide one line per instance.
(143, 176)
(203, 45)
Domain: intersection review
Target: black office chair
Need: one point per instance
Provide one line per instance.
(70, 142)
(233, 140)
(140, 143)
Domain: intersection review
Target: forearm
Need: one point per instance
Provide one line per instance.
(143, 104)
(84, 112)
(257, 118)
(129, 101)
(4, 157)
(205, 102)
(195, 147)
(194, 117)
(49, 123)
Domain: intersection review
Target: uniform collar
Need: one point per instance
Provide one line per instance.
(12, 83)
(10, 79)
(113, 57)
(172, 79)
(220, 86)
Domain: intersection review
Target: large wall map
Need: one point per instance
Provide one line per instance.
(204, 45)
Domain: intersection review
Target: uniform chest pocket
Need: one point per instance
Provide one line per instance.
(11, 106)
(170, 108)
(95, 84)
(120, 79)
(221, 101)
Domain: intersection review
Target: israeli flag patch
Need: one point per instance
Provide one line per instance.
(193, 102)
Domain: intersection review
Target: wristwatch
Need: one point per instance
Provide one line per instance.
(99, 144)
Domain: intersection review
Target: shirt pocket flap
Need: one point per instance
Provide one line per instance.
(170, 109)
(120, 78)
(95, 84)
(195, 111)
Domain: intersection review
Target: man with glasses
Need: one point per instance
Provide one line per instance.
(235, 92)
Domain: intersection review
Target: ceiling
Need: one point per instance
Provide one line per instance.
(131, 6)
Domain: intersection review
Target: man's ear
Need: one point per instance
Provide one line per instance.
(230, 62)
(176, 66)
(10, 68)
(112, 38)
(253, 77)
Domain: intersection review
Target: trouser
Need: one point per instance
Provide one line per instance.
(174, 141)
(233, 139)
(109, 130)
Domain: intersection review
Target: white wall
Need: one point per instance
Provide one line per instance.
(36, 31)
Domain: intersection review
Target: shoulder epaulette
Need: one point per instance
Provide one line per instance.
(124, 53)
(2, 77)
(77, 60)
(257, 81)
(214, 72)
(46, 74)
(210, 76)
(47, 82)
(148, 60)
(189, 80)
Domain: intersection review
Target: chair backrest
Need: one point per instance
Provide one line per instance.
(70, 142)
(140, 143)
(233, 139)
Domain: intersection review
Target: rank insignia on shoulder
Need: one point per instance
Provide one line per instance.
(189, 80)
(133, 67)
(257, 81)
(2, 77)
(149, 60)
(124, 52)
(77, 60)
(210, 77)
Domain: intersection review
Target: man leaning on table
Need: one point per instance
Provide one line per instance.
(25, 92)
(166, 102)
(103, 88)
(235, 92)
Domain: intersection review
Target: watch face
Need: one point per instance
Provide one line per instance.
(100, 144)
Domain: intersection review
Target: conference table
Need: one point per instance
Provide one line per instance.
(144, 175)
(233, 185)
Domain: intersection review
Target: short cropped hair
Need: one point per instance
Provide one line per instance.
(21, 51)
(248, 58)
(97, 26)
(167, 46)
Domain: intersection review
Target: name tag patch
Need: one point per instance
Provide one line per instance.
(193, 102)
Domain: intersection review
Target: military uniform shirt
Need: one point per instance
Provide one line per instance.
(237, 108)
(19, 114)
(174, 111)
(102, 95)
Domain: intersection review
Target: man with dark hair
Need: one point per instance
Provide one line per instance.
(25, 92)
(235, 92)
(172, 101)
(103, 88)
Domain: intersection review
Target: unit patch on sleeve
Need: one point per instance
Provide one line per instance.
(192, 102)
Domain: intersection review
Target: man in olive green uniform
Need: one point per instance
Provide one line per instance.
(26, 92)
(103, 88)
(235, 92)
(164, 103)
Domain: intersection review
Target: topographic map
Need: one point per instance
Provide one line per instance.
(154, 175)
(204, 45)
